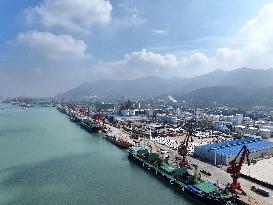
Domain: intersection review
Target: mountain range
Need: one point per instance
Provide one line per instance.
(243, 85)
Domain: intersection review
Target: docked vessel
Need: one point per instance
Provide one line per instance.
(80, 116)
(61, 109)
(121, 143)
(179, 178)
(90, 125)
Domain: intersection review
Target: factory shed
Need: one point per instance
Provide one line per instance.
(223, 153)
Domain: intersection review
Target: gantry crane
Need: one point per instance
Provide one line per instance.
(234, 169)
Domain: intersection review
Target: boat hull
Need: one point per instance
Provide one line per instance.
(91, 129)
(122, 145)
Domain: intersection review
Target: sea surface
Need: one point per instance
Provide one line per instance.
(47, 160)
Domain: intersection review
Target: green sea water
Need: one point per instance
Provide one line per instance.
(47, 160)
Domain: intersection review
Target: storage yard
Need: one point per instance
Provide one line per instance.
(261, 170)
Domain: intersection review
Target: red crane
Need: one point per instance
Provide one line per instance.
(234, 169)
(98, 116)
(183, 148)
(71, 107)
(83, 111)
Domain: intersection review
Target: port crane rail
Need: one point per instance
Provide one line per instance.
(234, 169)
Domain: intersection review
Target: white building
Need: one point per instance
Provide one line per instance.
(222, 117)
(247, 120)
(238, 119)
(210, 118)
(150, 113)
(138, 105)
(216, 118)
(222, 126)
(265, 133)
(213, 118)
(252, 130)
(269, 127)
(167, 118)
(230, 118)
(178, 111)
(125, 112)
(240, 129)
(132, 112)
(197, 113)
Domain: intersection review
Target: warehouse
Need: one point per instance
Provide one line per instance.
(223, 153)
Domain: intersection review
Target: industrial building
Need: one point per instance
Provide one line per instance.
(224, 152)
(167, 118)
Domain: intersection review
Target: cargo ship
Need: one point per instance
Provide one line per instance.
(74, 118)
(179, 178)
(61, 108)
(90, 126)
(123, 144)
(79, 116)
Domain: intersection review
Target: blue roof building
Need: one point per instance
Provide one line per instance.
(224, 152)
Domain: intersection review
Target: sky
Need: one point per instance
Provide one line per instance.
(50, 46)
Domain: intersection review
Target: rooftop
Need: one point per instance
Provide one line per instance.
(232, 147)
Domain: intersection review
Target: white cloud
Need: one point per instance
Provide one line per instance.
(138, 64)
(135, 19)
(199, 58)
(227, 58)
(148, 57)
(160, 32)
(38, 71)
(129, 15)
(72, 15)
(258, 51)
(226, 54)
(52, 46)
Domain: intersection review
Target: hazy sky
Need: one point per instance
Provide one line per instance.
(49, 46)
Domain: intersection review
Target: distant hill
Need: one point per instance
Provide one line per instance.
(145, 87)
(216, 95)
(243, 78)
(238, 86)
